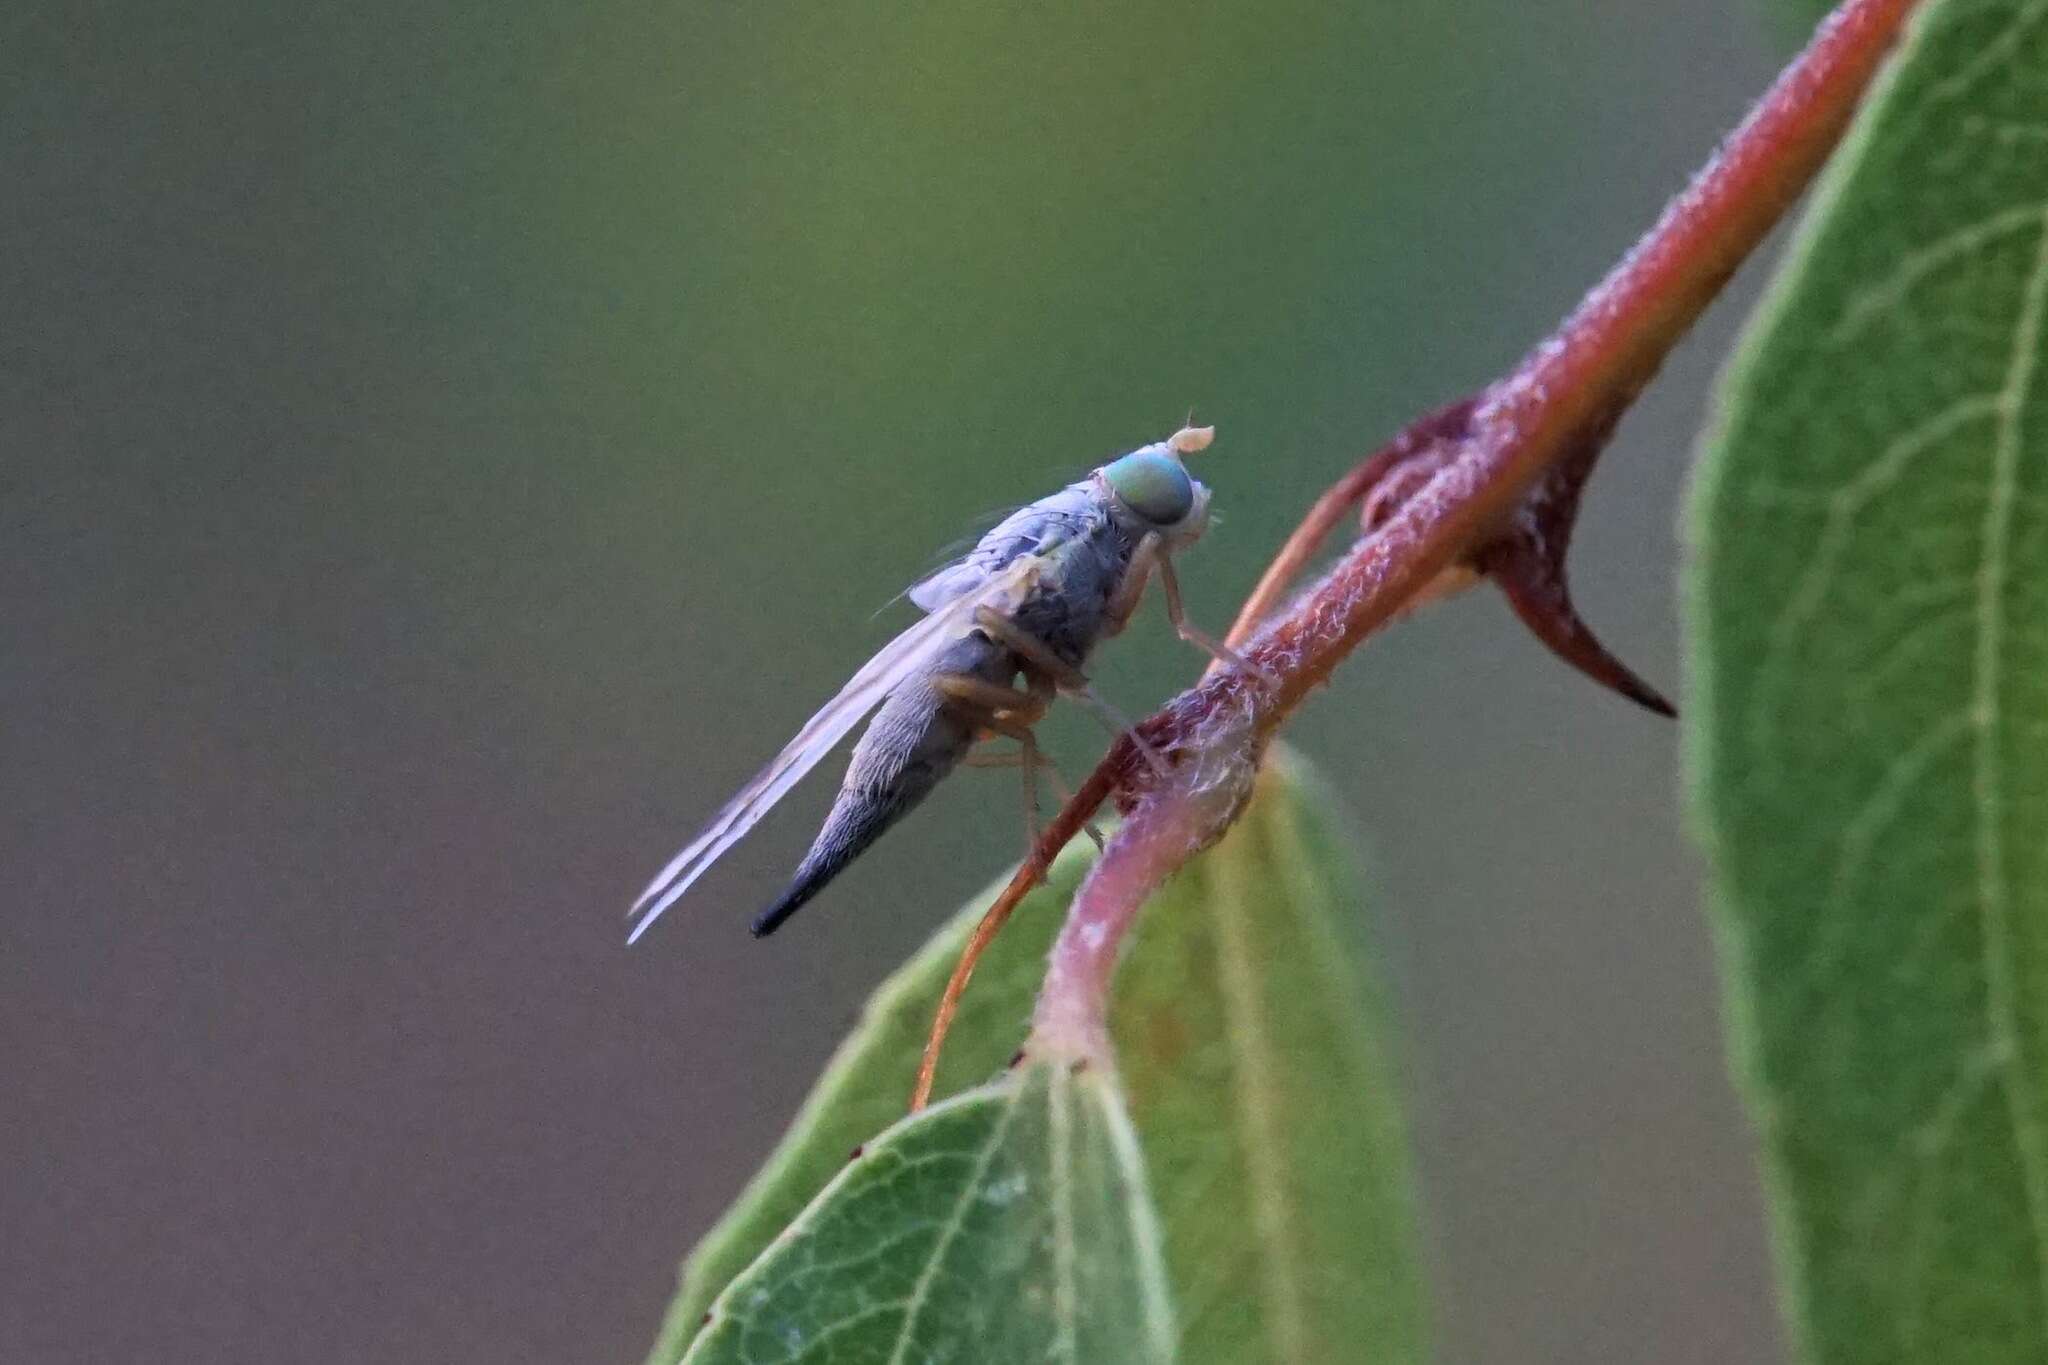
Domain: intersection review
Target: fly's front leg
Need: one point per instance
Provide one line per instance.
(1042, 661)
(1201, 639)
(1123, 603)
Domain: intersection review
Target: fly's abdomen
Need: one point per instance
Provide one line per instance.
(914, 741)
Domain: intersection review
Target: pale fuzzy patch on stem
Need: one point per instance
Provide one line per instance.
(1171, 821)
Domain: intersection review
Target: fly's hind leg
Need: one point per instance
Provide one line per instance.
(1005, 711)
(1009, 712)
(1019, 757)
(1040, 660)
(1066, 796)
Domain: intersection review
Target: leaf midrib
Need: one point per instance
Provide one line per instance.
(970, 1190)
(1254, 1061)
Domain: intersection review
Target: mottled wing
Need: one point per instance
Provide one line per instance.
(903, 657)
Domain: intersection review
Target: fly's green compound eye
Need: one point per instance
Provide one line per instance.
(1152, 484)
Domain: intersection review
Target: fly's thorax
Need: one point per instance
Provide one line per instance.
(1068, 606)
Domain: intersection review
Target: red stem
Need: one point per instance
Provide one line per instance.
(1153, 842)
(1603, 354)
(1562, 394)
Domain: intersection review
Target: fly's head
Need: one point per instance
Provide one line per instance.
(1150, 489)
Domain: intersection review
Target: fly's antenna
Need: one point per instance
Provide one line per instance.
(1190, 439)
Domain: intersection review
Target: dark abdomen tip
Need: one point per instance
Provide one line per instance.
(791, 901)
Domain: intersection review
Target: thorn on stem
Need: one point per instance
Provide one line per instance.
(1526, 560)
(1528, 565)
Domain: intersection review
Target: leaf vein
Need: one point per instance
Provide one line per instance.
(1915, 266)
(1254, 1063)
(1843, 505)
(1992, 893)
(1994, 52)
(1859, 838)
(1145, 1236)
(1059, 1162)
(969, 1190)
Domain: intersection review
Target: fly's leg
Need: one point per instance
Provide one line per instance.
(1010, 712)
(1066, 796)
(990, 703)
(1123, 603)
(1004, 711)
(1201, 639)
(1016, 758)
(1151, 554)
(1042, 661)
(1119, 724)
(1039, 660)
(1027, 759)
(1027, 750)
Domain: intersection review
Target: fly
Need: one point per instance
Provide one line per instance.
(1026, 605)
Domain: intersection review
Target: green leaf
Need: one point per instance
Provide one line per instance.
(1007, 1224)
(1250, 1035)
(1247, 1033)
(866, 1085)
(1870, 717)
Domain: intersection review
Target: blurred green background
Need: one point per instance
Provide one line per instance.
(445, 448)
